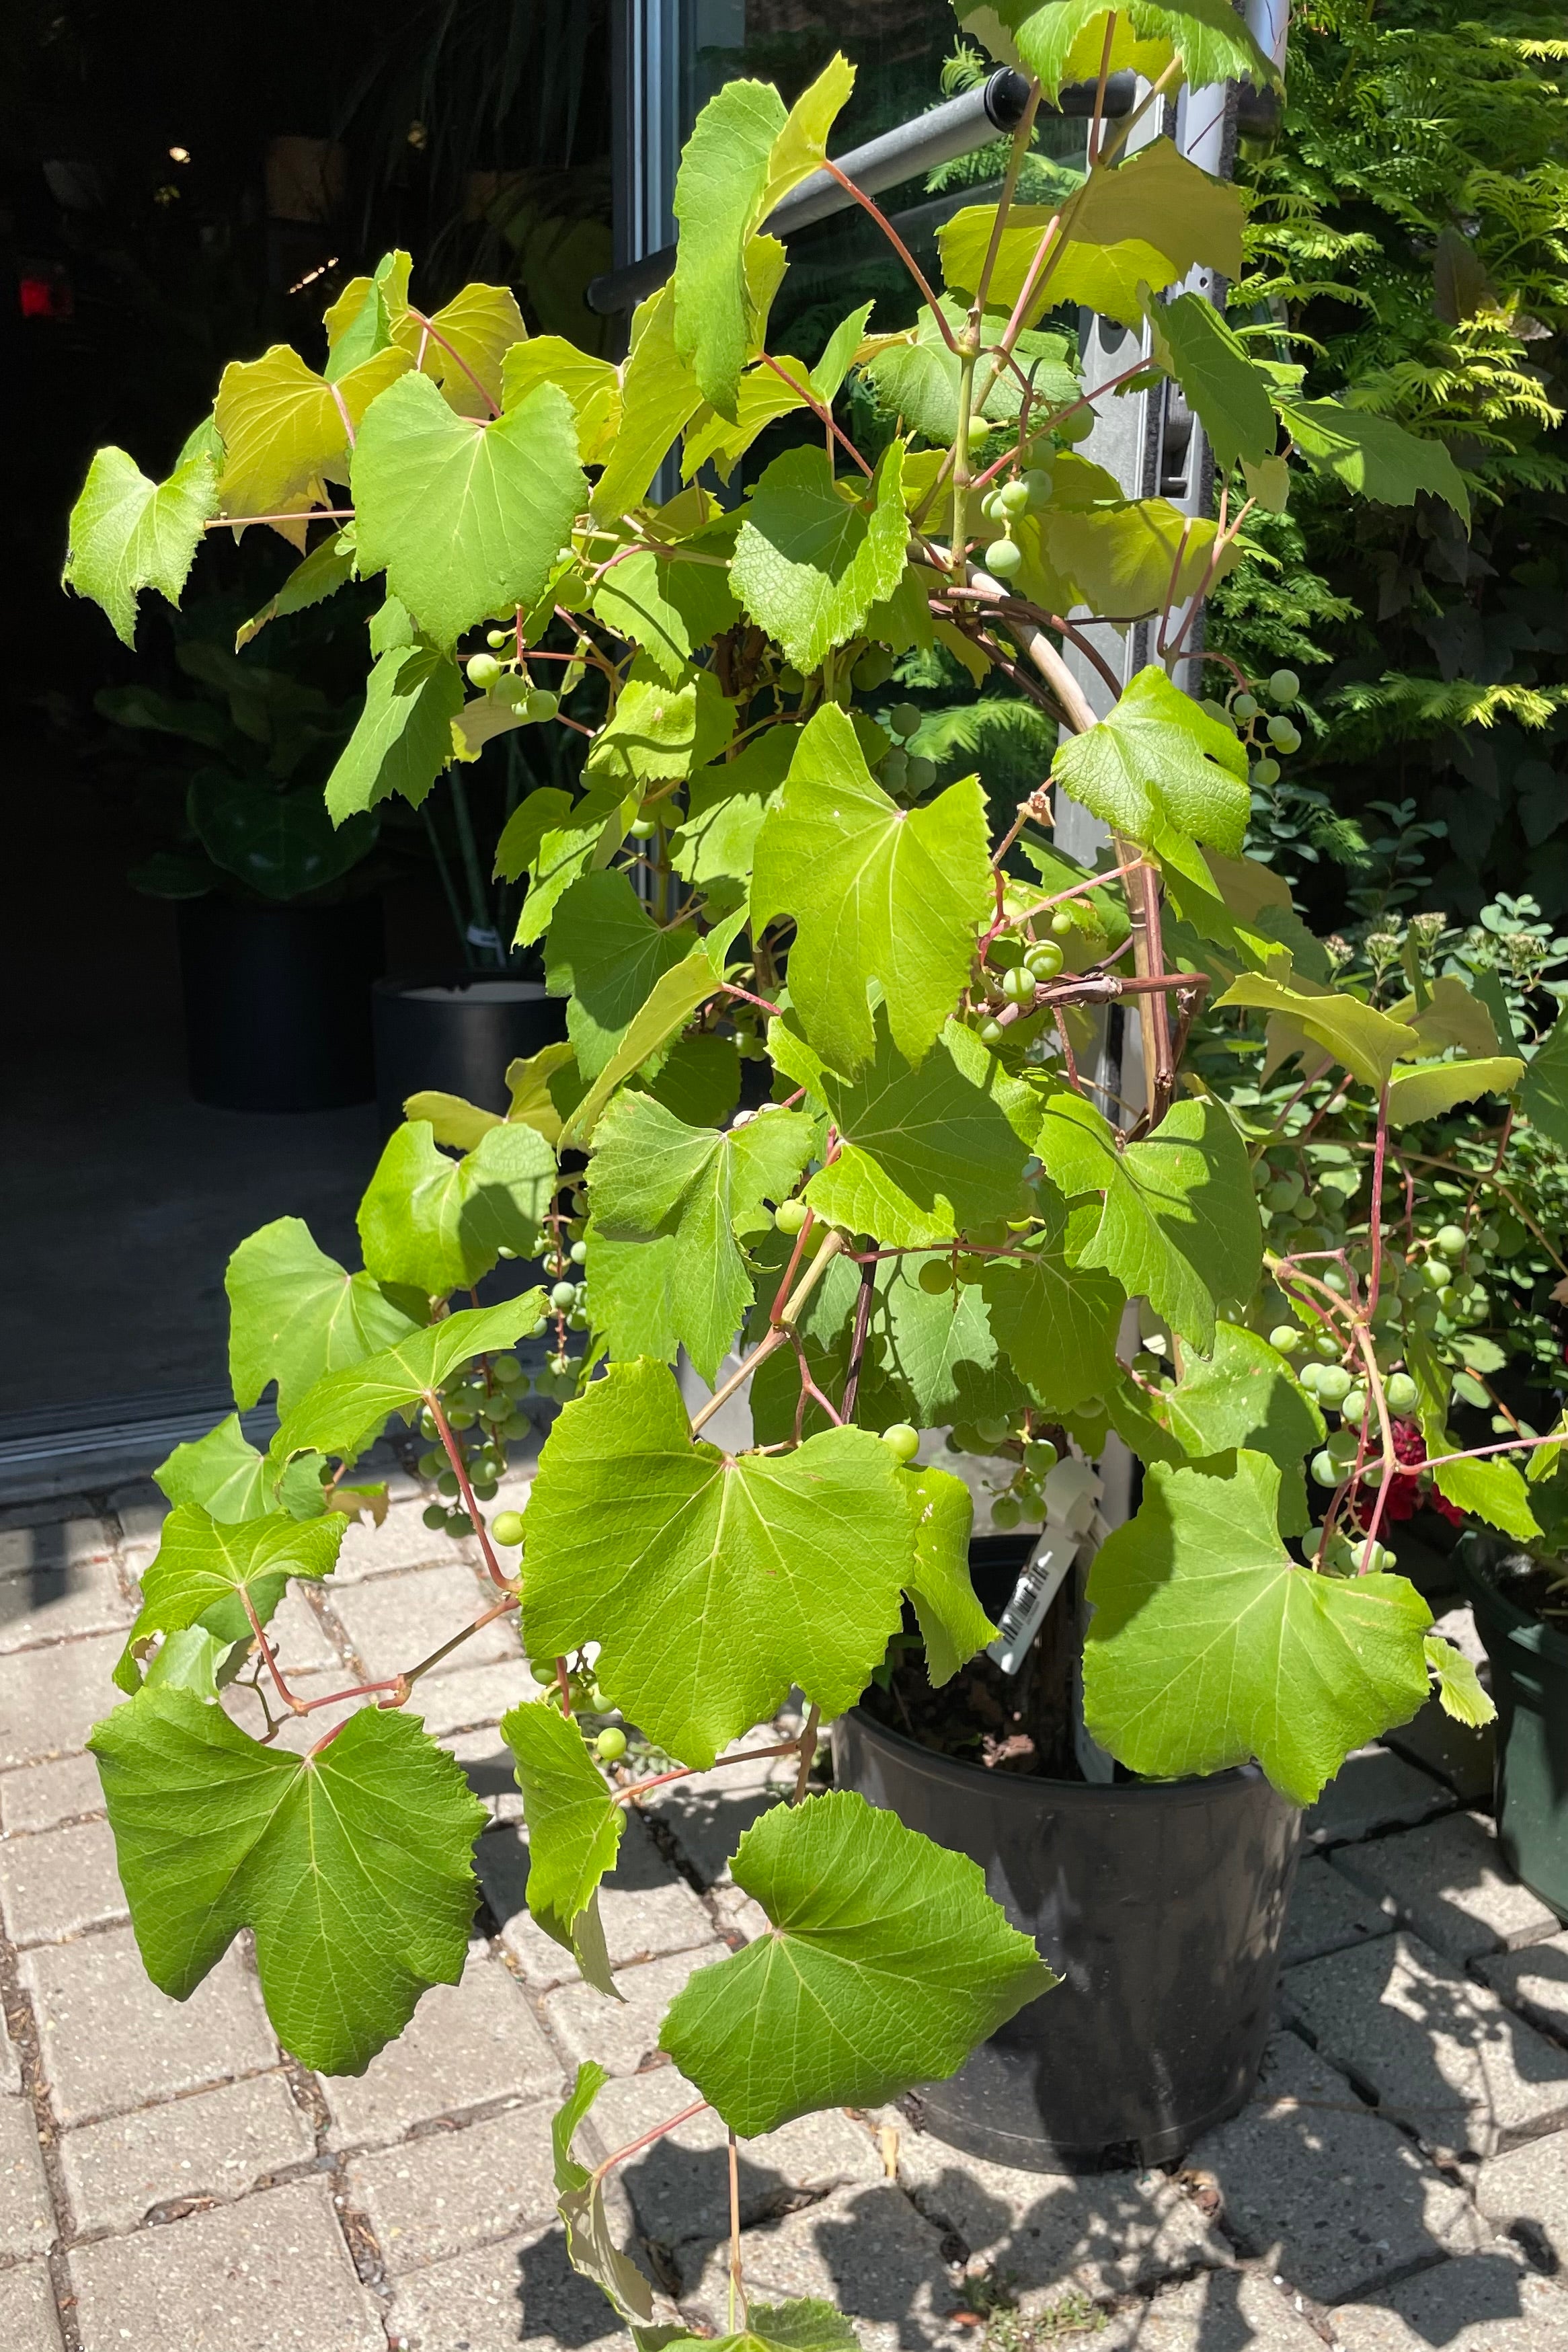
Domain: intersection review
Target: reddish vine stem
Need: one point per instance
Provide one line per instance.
(452, 351)
(899, 247)
(646, 2138)
(867, 1293)
(824, 413)
(295, 1705)
(454, 1453)
(685, 1772)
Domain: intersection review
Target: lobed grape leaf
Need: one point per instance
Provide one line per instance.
(658, 730)
(1049, 38)
(1459, 1691)
(294, 1313)
(1228, 395)
(466, 346)
(1179, 1225)
(670, 607)
(813, 553)
(603, 953)
(710, 1583)
(465, 518)
(1208, 1645)
(953, 1623)
(573, 1832)
(203, 1565)
(659, 396)
(531, 1084)
(222, 1471)
(351, 1864)
(1158, 770)
(590, 2243)
(128, 533)
(345, 1410)
(887, 1963)
(687, 1192)
(436, 1225)
(403, 737)
(1374, 455)
(1367, 1042)
(878, 893)
(1427, 1089)
(286, 431)
(1056, 1321)
(724, 809)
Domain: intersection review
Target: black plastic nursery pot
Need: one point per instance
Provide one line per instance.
(278, 1002)
(1530, 1684)
(455, 1032)
(1160, 1905)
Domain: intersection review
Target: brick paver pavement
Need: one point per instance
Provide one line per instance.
(171, 2181)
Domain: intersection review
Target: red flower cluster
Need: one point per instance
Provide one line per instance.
(1405, 1496)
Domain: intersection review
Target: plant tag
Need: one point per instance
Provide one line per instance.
(1037, 1586)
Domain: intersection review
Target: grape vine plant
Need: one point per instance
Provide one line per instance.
(935, 1214)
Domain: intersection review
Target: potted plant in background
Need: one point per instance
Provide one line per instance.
(932, 1204)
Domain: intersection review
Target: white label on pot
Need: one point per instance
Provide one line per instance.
(1037, 1588)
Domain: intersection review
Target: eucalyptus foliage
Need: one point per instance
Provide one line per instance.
(941, 1206)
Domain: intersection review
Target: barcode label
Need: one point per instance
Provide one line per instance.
(1038, 1583)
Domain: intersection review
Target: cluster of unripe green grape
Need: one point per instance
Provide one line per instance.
(483, 1410)
(1023, 1498)
(901, 769)
(1006, 504)
(1244, 712)
(1029, 964)
(509, 682)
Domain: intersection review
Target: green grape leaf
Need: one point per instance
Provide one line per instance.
(203, 1566)
(724, 809)
(953, 1623)
(803, 2327)
(838, 355)
(1492, 1489)
(1226, 392)
(1179, 1225)
(814, 554)
(589, 839)
(403, 737)
(351, 1864)
(295, 1313)
(1125, 560)
(1459, 1691)
(656, 1180)
(659, 396)
(1366, 1042)
(1161, 771)
(222, 1472)
(916, 376)
(465, 518)
(886, 1964)
(1374, 455)
(936, 1352)
(673, 999)
(345, 1410)
(668, 605)
(878, 893)
(712, 1584)
(1244, 1394)
(1208, 1645)
(591, 385)
(436, 1225)
(458, 1124)
(467, 343)
(573, 1832)
(699, 1079)
(1427, 1089)
(801, 147)
(603, 953)
(1057, 1323)
(659, 730)
(286, 431)
(537, 815)
(590, 2243)
(762, 396)
(1544, 1090)
(926, 1154)
(128, 533)
(328, 567)
(531, 1082)
(1048, 36)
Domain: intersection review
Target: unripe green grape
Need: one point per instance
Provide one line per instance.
(538, 1327)
(446, 1483)
(790, 1216)
(563, 1294)
(541, 704)
(978, 434)
(992, 1033)
(611, 1744)
(1289, 1339)
(994, 1430)
(1283, 1193)
(1006, 1513)
(497, 638)
(1327, 1346)
(427, 1423)
(433, 1514)
(1402, 1393)
(1284, 685)
(518, 1426)
(1077, 427)
(1038, 482)
(1333, 1384)
(483, 670)
(1324, 1471)
(970, 1269)
(578, 1253)
(1245, 707)
(1284, 734)
(1045, 959)
(1436, 1274)
(920, 775)
(1371, 1558)
(1003, 558)
(904, 718)
(496, 1408)
(1013, 497)
(895, 771)
(1265, 771)
(1450, 1241)
(1062, 924)
(990, 505)
(1018, 985)
(1311, 1374)
(643, 828)
(461, 1417)
(935, 1276)
(1353, 1408)
(484, 1489)
(432, 1464)
(965, 1438)
(901, 1438)
(507, 1369)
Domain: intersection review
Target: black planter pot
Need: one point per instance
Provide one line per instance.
(1160, 1905)
(278, 1002)
(455, 1033)
(1529, 1684)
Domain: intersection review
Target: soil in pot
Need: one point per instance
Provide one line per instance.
(455, 1034)
(1520, 1607)
(276, 1002)
(1160, 1905)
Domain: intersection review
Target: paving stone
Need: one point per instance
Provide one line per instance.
(1335, 2197)
(395, 1620)
(10, 2062)
(139, 1511)
(467, 2046)
(214, 2143)
(1225, 2311)
(446, 2192)
(50, 1700)
(301, 1640)
(865, 2249)
(1534, 1981)
(624, 2035)
(710, 1814)
(1374, 1790)
(647, 1912)
(1462, 1754)
(491, 1769)
(680, 2188)
(402, 1540)
(1489, 2303)
(110, 2039)
(59, 1883)
(29, 2321)
(478, 1695)
(270, 2274)
(56, 1580)
(41, 1796)
(519, 2293)
(1328, 1914)
(1450, 1882)
(1046, 2233)
(737, 1914)
(1434, 2049)
(26, 2221)
(1526, 2192)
